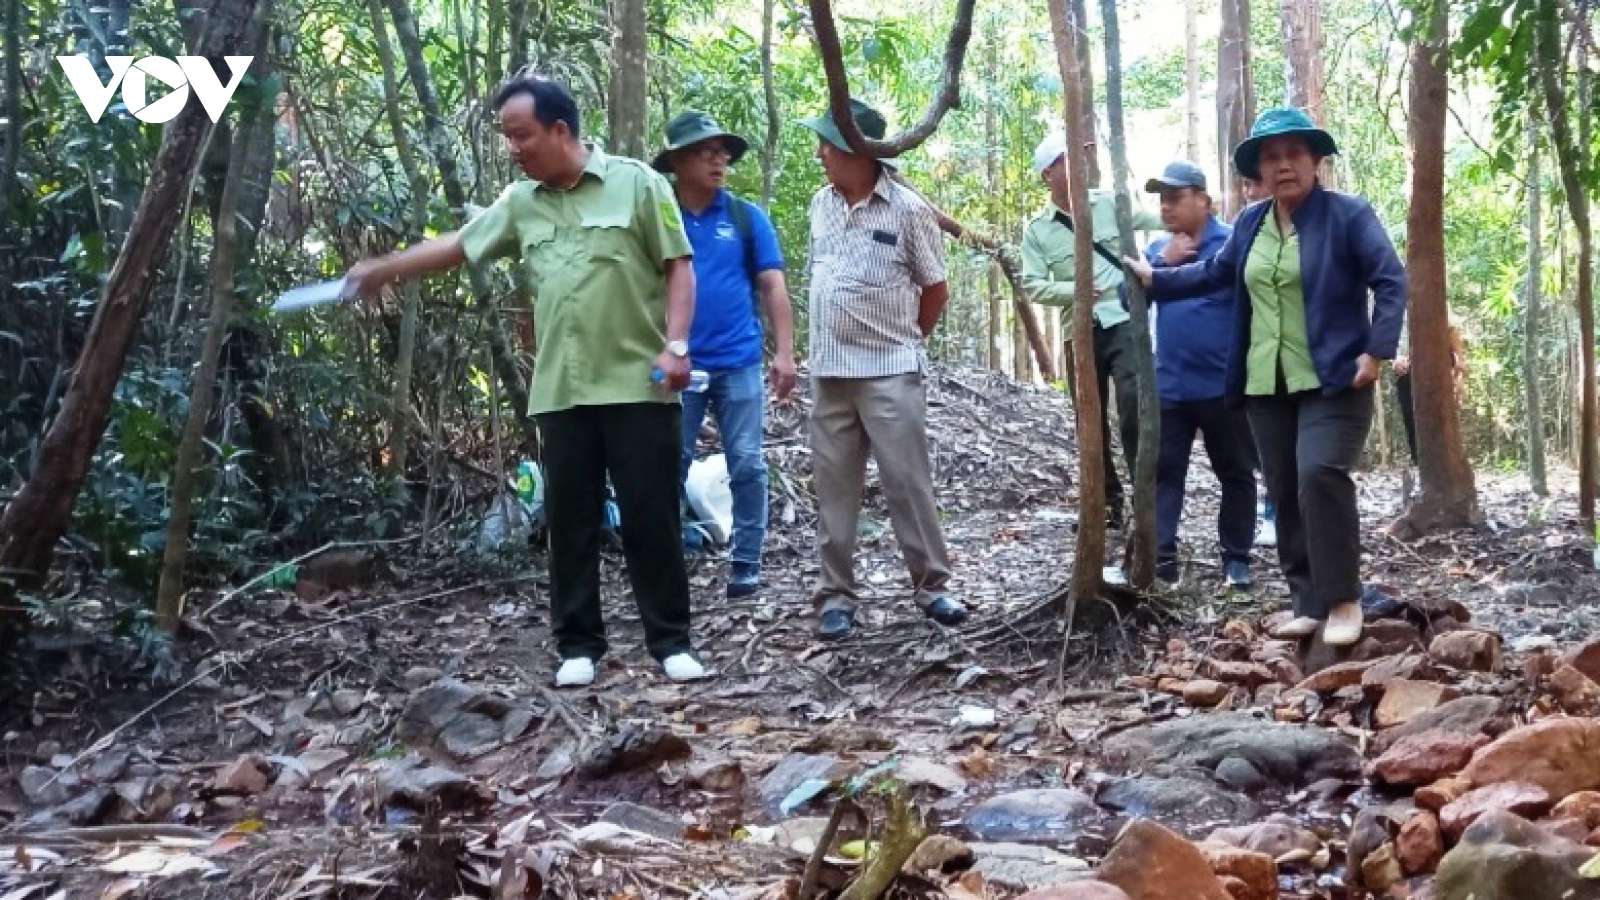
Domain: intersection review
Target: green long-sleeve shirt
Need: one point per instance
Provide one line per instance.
(1049, 256)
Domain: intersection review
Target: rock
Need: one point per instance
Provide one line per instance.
(1521, 797)
(1468, 715)
(245, 775)
(1026, 867)
(1318, 655)
(1404, 700)
(557, 763)
(1151, 863)
(1505, 857)
(802, 834)
(1256, 872)
(1183, 799)
(347, 701)
(1080, 890)
(1566, 829)
(42, 787)
(1468, 649)
(1248, 674)
(1419, 844)
(1560, 755)
(1539, 665)
(633, 747)
(1339, 675)
(1425, 758)
(1204, 692)
(1576, 692)
(1410, 666)
(110, 765)
(653, 822)
(1046, 814)
(1583, 806)
(1237, 773)
(1435, 796)
(915, 770)
(1286, 754)
(1380, 869)
(1275, 837)
(418, 677)
(796, 769)
(722, 775)
(1393, 635)
(938, 853)
(453, 720)
(845, 737)
(415, 783)
(1585, 658)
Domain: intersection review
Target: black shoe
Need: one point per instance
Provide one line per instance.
(738, 590)
(744, 580)
(947, 611)
(1238, 575)
(836, 624)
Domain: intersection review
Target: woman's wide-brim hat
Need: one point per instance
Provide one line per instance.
(1280, 122)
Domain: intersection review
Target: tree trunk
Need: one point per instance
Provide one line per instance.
(1308, 89)
(628, 101)
(255, 122)
(505, 360)
(517, 52)
(1142, 539)
(400, 412)
(1448, 497)
(1090, 551)
(1191, 68)
(1236, 99)
(1571, 159)
(42, 510)
(12, 141)
(1090, 127)
(991, 182)
(769, 90)
(1533, 402)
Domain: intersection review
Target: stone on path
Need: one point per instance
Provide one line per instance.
(1405, 699)
(1182, 800)
(455, 721)
(1505, 857)
(1045, 814)
(1151, 863)
(1468, 649)
(1520, 797)
(1289, 755)
(1468, 715)
(1560, 755)
(1422, 759)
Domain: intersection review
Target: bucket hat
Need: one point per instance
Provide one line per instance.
(692, 126)
(1280, 122)
(869, 120)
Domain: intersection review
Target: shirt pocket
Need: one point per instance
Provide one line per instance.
(541, 251)
(876, 263)
(607, 235)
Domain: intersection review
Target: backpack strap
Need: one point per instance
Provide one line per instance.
(1100, 249)
(739, 212)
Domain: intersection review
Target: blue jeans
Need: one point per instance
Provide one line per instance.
(738, 400)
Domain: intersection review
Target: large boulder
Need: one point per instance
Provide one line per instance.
(1468, 715)
(1151, 863)
(1505, 857)
(1179, 799)
(1289, 755)
(1560, 755)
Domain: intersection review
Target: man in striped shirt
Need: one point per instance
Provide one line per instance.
(877, 290)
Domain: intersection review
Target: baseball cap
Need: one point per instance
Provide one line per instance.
(1178, 174)
(1048, 151)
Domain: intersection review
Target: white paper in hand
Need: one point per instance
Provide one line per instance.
(310, 295)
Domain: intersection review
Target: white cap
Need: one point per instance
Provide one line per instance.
(1048, 151)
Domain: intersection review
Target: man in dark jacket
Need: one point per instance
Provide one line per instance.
(1192, 338)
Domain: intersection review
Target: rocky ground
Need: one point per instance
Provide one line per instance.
(386, 729)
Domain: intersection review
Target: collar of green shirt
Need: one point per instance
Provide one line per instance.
(596, 166)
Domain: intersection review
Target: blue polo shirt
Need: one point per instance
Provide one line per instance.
(726, 332)
(1193, 334)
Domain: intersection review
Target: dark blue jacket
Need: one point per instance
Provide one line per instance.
(1193, 335)
(1344, 253)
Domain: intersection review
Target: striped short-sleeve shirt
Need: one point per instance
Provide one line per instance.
(869, 263)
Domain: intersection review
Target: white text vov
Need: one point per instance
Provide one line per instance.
(181, 74)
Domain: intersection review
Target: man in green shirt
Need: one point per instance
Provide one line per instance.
(604, 249)
(1048, 260)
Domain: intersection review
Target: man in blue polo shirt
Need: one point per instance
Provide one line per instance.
(1192, 342)
(737, 263)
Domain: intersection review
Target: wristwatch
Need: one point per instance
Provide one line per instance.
(679, 349)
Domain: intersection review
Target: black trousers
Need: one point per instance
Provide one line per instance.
(1226, 434)
(1309, 442)
(1408, 412)
(638, 445)
(1114, 361)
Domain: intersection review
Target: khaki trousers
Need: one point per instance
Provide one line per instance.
(887, 416)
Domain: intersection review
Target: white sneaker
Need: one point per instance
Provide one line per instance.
(1267, 535)
(683, 667)
(575, 672)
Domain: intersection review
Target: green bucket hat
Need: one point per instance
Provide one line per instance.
(692, 126)
(869, 120)
(1280, 122)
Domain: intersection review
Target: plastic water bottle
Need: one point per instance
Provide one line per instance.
(699, 380)
(529, 483)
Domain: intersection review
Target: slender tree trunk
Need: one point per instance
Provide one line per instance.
(1448, 497)
(769, 90)
(1021, 362)
(991, 181)
(1090, 126)
(1236, 98)
(1191, 68)
(629, 98)
(1533, 402)
(254, 123)
(400, 411)
(42, 510)
(12, 141)
(1142, 545)
(1308, 89)
(1571, 160)
(505, 360)
(1089, 554)
(517, 52)
(497, 35)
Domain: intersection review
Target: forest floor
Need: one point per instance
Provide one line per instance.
(396, 736)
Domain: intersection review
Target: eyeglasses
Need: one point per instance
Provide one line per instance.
(711, 152)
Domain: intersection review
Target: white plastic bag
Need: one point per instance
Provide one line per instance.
(710, 498)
